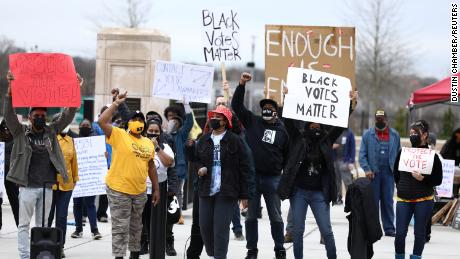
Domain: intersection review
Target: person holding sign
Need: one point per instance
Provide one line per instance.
(36, 160)
(224, 168)
(415, 193)
(308, 179)
(132, 161)
(377, 155)
(269, 141)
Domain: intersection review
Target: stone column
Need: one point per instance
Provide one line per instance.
(125, 59)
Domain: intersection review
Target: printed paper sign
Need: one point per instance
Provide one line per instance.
(327, 49)
(176, 81)
(92, 166)
(448, 171)
(220, 35)
(416, 159)
(2, 167)
(44, 80)
(317, 97)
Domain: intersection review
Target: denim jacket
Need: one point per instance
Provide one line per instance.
(22, 151)
(368, 153)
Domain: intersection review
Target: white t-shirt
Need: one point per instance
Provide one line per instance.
(216, 167)
(162, 170)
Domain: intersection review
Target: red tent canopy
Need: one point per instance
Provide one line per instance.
(435, 93)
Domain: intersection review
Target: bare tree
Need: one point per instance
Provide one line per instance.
(125, 13)
(383, 56)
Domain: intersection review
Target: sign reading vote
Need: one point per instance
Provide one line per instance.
(447, 185)
(221, 35)
(176, 81)
(416, 159)
(92, 166)
(2, 166)
(326, 49)
(317, 97)
(44, 80)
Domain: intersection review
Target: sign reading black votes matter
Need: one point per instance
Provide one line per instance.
(316, 96)
(221, 32)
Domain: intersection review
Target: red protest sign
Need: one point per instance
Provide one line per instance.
(44, 80)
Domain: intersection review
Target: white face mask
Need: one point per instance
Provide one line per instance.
(66, 129)
(171, 126)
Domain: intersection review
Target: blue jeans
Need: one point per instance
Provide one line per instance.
(60, 206)
(236, 221)
(266, 186)
(383, 186)
(422, 212)
(90, 205)
(321, 210)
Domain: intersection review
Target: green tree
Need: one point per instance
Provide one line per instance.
(401, 122)
(448, 122)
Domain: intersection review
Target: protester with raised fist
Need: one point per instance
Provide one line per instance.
(132, 162)
(268, 140)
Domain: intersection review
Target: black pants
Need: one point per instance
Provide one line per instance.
(196, 242)
(103, 206)
(1, 218)
(12, 190)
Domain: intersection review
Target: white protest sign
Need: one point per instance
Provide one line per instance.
(416, 159)
(316, 96)
(176, 81)
(221, 33)
(448, 171)
(2, 167)
(92, 166)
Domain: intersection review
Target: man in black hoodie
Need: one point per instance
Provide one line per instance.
(268, 140)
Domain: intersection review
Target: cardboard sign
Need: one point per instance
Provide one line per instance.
(317, 97)
(177, 80)
(92, 166)
(448, 171)
(327, 49)
(220, 35)
(2, 168)
(416, 159)
(44, 80)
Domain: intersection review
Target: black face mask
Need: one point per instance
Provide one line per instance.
(267, 114)
(380, 125)
(315, 133)
(214, 123)
(39, 123)
(152, 135)
(85, 131)
(415, 140)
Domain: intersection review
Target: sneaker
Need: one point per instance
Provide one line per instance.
(252, 254)
(239, 236)
(288, 238)
(103, 219)
(280, 254)
(77, 234)
(97, 235)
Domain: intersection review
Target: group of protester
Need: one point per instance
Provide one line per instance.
(237, 158)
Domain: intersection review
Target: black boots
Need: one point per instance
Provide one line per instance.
(134, 255)
(170, 251)
(280, 254)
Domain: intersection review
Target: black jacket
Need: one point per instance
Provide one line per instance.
(451, 150)
(410, 188)
(234, 165)
(297, 154)
(269, 142)
(364, 224)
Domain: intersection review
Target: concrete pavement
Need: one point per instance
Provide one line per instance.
(445, 242)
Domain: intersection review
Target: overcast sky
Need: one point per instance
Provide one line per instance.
(68, 25)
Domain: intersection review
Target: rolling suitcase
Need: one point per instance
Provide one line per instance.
(45, 243)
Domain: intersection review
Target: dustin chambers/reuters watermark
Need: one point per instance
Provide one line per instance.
(454, 48)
